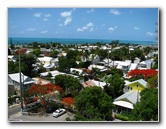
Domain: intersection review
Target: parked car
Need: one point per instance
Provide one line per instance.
(51, 109)
(58, 112)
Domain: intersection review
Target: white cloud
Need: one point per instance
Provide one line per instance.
(37, 14)
(115, 12)
(47, 15)
(91, 29)
(66, 14)
(90, 11)
(87, 27)
(44, 31)
(45, 19)
(150, 34)
(112, 29)
(136, 28)
(60, 24)
(31, 29)
(89, 24)
(79, 30)
(67, 21)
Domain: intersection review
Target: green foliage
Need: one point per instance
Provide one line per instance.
(54, 54)
(66, 63)
(116, 71)
(115, 87)
(147, 108)
(36, 51)
(12, 67)
(35, 45)
(153, 81)
(68, 83)
(92, 104)
(121, 117)
(155, 66)
(9, 52)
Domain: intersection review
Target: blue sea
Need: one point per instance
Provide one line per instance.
(73, 41)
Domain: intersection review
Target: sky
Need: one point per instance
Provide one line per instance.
(137, 24)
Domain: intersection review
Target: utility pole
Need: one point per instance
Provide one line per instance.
(20, 82)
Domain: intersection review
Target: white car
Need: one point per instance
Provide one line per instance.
(58, 112)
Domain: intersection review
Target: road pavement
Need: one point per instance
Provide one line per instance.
(19, 117)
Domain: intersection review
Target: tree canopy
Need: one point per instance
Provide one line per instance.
(147, 108)
(115, 87)
(92, 104)
(68, 83)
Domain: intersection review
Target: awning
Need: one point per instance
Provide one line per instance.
(123, 104)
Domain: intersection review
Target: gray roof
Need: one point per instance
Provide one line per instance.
(16, 77)
(132, 97)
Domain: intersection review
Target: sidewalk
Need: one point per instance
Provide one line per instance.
(14, 105)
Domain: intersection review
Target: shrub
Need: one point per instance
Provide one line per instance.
(121, 117)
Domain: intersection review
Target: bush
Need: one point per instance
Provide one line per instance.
(121, 117)
(68, 119)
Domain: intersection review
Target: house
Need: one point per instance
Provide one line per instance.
(135, 85)
(40, 81)
(11, 58)
(91, 83)
(146, 64)
(11, 89)
(14, 79)
(48, 62)
(99, 67)
(56, 73)
(125, 102)
(77, 71)
(94, 58)
(133, 66)
(124, 65)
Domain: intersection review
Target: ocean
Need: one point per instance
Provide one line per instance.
(18, 41)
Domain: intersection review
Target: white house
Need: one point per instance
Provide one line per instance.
(94, 58)
(48, 62)
(126, 101)
(77, 71)
(11, 58)
(124, 65)
(14, 79)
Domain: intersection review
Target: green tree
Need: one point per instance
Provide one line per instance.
(147, 108)
(54, 54)
(9, 52)
(26, 64)
(36, 51)
(155, 66)
(66, 63)
(115, 87)
(70, 84)
(153, 81)
(116, 71)
(12, 67)
(92, 104)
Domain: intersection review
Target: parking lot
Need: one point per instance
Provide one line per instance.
(19, 117)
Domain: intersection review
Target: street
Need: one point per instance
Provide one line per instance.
(18, 117)
(13, 110)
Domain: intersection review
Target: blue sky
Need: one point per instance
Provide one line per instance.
(86, 23)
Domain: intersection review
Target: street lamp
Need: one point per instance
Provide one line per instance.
(20, 82)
